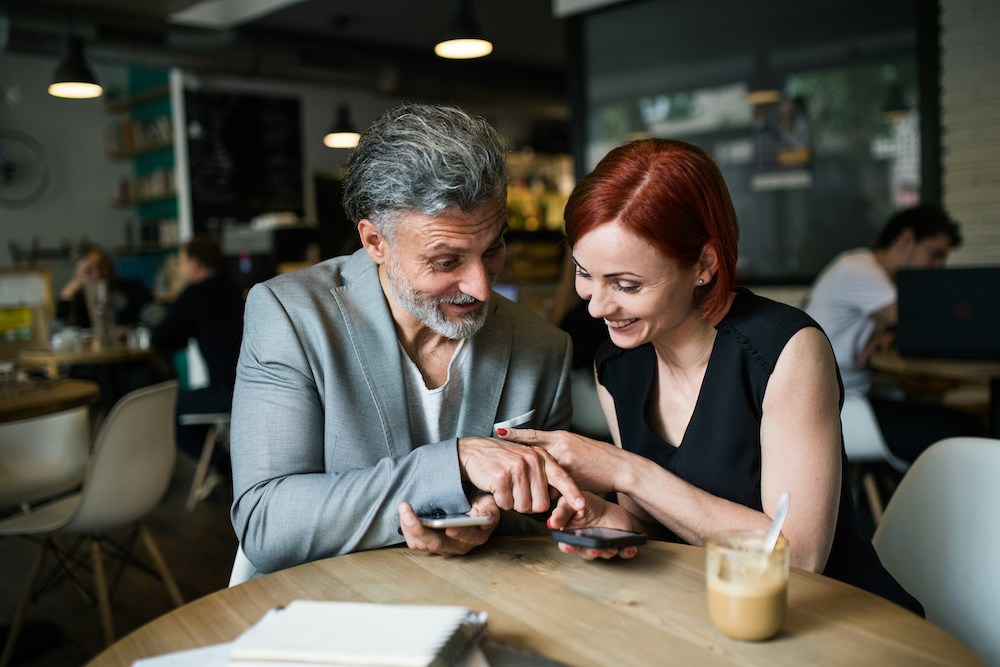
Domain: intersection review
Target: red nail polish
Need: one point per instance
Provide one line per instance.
(501, 432)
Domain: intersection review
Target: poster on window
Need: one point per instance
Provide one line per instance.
(782, 145)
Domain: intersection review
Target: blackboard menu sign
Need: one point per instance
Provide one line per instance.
(244, 156)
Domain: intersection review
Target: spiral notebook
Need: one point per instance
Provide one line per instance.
(311, 633)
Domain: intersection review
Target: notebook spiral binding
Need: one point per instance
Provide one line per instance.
(462, 641)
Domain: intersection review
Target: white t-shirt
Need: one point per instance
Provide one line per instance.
(843, 299)
(433, 412)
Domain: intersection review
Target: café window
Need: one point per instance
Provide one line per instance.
(813, 172)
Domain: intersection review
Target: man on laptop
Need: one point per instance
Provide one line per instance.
(854, 300)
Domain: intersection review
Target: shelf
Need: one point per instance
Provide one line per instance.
(128, 155)
(128, 203)
(121, 104)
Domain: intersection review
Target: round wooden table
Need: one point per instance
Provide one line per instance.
(650, 610)
(52, 360)
(45, 398)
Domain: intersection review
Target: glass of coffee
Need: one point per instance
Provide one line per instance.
(747, 586)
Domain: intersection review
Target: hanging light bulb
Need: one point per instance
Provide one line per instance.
(463, 38)
(73, 78)
(342, 134)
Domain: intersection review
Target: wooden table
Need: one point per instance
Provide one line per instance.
(44, 398)
(960, 370)
(52, 360)
(650, 610)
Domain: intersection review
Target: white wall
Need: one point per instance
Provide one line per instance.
(970, 118)
(76, 205)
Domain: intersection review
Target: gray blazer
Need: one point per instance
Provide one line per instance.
(320, 434)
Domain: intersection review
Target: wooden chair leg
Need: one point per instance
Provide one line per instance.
(22, 607)
(202, 470)
(101, 590)
(161, 566)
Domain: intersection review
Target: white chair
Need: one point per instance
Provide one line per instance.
(588, 418)
(940, 538)
(43, 457)
(216, 436)
(243, 569)
(865, 445)
(126, 477)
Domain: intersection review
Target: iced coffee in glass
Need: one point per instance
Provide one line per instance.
(747, 587)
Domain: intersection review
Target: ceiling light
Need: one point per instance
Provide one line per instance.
(463, 39)
(73, 78)
(342, 134)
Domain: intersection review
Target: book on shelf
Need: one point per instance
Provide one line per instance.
(311, 633)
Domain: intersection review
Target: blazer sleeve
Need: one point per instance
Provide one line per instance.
(301, 490)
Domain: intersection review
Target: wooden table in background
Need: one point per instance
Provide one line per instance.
(45, 398)
(650, 610)
(52, 360)
(958, 370)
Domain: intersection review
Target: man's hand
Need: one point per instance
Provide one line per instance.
(517, 477)
(591, 463)
(453, 541)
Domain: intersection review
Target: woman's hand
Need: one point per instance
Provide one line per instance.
(453, 541)
(590, 462)
(596, 512)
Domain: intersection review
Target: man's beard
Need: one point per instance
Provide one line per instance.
(427, 309)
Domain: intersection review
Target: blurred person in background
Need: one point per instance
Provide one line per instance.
(208, 311)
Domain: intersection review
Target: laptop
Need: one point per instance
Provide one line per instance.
(949, 313)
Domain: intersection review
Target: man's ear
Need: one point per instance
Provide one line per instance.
(372, 241)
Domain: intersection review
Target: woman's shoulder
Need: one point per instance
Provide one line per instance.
(762, 325)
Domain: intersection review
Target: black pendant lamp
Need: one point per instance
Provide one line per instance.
(73, 78)
(462, 38)
(342, 133)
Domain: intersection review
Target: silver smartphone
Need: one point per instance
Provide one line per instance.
(449, 520)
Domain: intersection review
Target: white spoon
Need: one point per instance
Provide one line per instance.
(779, 518)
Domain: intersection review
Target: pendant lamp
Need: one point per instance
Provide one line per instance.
(463, 39)
(73, 78)
(895, 107)
(342, 134)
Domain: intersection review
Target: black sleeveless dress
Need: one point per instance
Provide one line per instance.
(720, 451)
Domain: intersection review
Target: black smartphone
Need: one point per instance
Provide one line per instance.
(599, 538)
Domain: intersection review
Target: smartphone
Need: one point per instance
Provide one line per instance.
(599, 538)
(449, 520)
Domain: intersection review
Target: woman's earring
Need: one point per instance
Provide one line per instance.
(701, 281)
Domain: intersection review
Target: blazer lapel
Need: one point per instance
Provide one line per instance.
(373, 336)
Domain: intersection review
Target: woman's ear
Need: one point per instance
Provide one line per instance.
(708, 264)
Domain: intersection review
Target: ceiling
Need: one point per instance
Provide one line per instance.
(386, 45)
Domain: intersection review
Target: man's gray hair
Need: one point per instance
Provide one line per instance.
(423, 159)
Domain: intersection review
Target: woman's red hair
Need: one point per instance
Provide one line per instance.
(670, 193)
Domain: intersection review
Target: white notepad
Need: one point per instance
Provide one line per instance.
(309, 632)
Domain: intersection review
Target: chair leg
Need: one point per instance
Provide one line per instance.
(202, 470)
(161, 566)
(101, 590)
(874, 498)
(22, 607)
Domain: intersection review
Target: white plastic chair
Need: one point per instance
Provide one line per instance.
(243, 569)
(216, 436)
(865, 444)
(43, 457)
(126, 478)
(940, 538)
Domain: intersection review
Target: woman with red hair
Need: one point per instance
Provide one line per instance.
(717, 399)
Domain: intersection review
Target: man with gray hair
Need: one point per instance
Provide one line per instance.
(369, 386)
